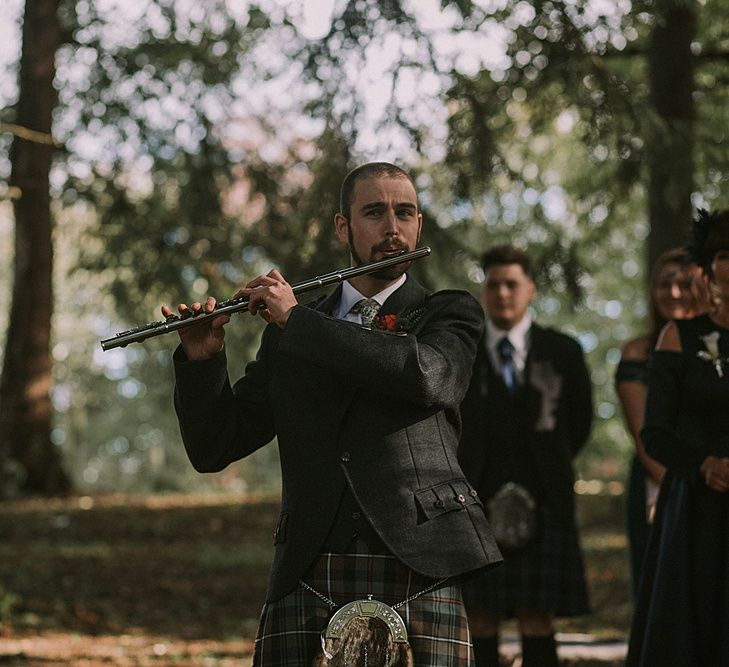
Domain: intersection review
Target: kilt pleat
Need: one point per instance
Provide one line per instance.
(546, 575)
(290, 630)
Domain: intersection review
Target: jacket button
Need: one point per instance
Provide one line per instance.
(461, 498)
(356, 515)
(439, 503)
(473, 492)
(345, 457)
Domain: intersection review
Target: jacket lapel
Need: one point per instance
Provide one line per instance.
(535, 354)
(409, 293)
(328, 305)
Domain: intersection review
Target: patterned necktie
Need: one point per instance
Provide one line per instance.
(367, 310)
(508, 367)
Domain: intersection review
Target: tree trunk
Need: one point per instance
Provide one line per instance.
(670, 151)
(25, 405)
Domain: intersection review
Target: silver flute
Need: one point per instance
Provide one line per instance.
(177, 322)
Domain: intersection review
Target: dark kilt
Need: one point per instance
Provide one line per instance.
(290, 630)
(546, 575)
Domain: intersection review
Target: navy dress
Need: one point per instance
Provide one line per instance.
(682, 613)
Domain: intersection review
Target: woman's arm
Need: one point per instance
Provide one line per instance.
(631, 389)
(663, 404)
(632, 396)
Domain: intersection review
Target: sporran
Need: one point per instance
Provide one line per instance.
(366, 633)
(513, 516)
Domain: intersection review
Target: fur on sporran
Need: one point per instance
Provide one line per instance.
(365, 642)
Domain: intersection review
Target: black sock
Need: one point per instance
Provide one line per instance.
(486, 651)
(539, 651)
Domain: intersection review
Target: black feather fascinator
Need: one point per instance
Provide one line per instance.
(709, 233)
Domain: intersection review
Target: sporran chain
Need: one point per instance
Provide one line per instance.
(410, 598)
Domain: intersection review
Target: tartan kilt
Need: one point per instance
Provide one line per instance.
(290, 628)
(546, 575)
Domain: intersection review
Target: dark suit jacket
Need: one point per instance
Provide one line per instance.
(557, 420)
(351, 406)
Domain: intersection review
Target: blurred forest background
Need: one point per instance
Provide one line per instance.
(159, 150)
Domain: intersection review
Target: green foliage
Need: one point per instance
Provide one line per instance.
(299, 202)
(158, 181)
(184, 175)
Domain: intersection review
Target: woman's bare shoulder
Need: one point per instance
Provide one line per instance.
(638, 349)
(669, 340)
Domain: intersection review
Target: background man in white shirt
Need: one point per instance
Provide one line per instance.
(527, 414)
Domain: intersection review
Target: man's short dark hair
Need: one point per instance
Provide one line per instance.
(507, 254)
(368, 170)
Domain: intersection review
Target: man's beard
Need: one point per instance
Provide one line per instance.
(388, 273)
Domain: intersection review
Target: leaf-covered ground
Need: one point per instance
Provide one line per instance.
(180, 580)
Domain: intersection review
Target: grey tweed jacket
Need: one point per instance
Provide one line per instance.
(375, 410)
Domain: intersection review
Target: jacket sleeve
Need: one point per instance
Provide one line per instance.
(219, 423)
(578, 398)
(660, 432)
(430, 366)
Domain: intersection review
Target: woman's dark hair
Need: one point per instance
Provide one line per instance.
(709, 234)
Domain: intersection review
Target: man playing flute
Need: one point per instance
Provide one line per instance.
(362, 390)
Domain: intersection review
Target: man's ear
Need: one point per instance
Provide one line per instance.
(341, 226)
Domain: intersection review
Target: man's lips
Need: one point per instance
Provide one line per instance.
(389, 251)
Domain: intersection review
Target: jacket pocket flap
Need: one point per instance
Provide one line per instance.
(445, 497)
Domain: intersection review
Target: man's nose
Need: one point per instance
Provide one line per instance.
(676, 291)
(392, 224)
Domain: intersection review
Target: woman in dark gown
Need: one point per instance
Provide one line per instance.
(677, 291)
(682, 614)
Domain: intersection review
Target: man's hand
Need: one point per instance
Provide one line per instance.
(201, 341)
(271, 297)
(716, 473)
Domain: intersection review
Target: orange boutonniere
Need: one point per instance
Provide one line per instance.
(386, 322)
(399, 323)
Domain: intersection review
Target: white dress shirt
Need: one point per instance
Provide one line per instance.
(350, 296)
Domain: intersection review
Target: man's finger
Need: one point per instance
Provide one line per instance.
(220, 321)
(256, 302)
(261, 281)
